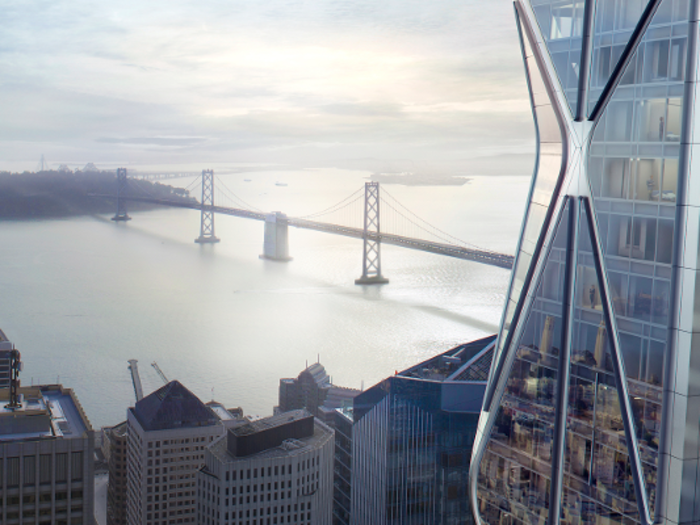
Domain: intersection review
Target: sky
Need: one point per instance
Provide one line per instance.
(399, 85)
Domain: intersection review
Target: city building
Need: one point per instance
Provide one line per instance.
(412, 439)
(46, 458)
(592, 410)
(314, 391)
(6, 348)
(167, 432)
(268, 471)
(114, 449)
(342, 466)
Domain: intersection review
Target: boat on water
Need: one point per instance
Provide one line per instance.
(280, 183)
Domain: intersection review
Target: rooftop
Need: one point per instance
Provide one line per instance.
(346, 412)
(223, 413)
(467, 362)
(5, 343)
(47, 411)
(248, 426)
(173, 406)
(288, 448)
(478, 369)
(117, 430)
(316, 372)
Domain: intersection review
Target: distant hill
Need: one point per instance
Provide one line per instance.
(54, 194)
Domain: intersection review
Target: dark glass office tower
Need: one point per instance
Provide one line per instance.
(593, 406)
(412, 439)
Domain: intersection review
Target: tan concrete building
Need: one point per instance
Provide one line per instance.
(46, 459)
(273, 470)
(168, 431)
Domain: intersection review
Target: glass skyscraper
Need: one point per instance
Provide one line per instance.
(412, 438)
(592, 413)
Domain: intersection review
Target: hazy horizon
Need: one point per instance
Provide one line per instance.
(397, 86)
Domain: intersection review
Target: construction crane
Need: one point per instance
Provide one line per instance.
(160, 372)
(136, 379)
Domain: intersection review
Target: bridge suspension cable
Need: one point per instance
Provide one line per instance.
(195, 182)
(134, 183)
(346, 202)
(421, 224)
(233, 197)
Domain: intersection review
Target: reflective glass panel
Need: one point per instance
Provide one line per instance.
(549, 173)
(561, 23)
(659, 59)
(633, 171)
(598, 475)
(614, 22)
(515, 472)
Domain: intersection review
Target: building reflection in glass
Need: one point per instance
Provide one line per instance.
(614, 304)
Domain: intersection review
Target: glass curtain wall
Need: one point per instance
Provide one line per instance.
(561, 24)
(515, 473)
(598, 477)
(622, 278)
(548, 178)
(633, 175)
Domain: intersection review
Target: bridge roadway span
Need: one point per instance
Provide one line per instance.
(470, 254)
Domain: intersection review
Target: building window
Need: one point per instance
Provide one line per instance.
(76, 466)
(44, 469)
(29, 470)
(12, 472)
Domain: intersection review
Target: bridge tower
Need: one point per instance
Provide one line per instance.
(122, 182)
(206, 231)
(371, 254)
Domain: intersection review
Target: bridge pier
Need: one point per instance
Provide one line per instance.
(206, 230)
(122, 181)
(371, 250)
(276, 243)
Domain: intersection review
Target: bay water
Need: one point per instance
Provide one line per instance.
(82, 296)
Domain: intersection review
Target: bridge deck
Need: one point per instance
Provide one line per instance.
(470, 254)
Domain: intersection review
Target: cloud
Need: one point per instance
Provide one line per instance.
(154, 141)
(346, 77)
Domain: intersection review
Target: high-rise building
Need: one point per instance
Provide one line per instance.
(342, 466)
(313, 390)
(593, 406)
(273, 470)
(412, 441)
(46, 458)
(115, 453)
(6, 348)
(167, 432)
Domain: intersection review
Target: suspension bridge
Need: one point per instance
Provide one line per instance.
(399, 226)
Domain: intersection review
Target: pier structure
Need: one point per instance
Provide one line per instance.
(276, 243)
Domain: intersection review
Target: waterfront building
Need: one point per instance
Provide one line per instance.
(46, 458)
(273, 470)
(167, 432)
(6, 348)
(412, 440)
(592, 410)
(114, 447)
(313, 390)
